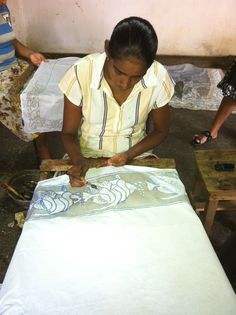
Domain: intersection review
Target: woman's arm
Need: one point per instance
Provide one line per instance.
(23, 51)
(71, 123)
(160, 118)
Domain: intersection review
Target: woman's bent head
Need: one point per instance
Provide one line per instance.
(133, 37)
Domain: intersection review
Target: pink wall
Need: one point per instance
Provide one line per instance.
(184, 27)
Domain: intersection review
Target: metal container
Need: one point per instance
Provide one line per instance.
(24, 183)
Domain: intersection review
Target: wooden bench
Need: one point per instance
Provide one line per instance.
(219, 186)
(48, 166)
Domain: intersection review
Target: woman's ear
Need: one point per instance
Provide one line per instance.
(106, 46)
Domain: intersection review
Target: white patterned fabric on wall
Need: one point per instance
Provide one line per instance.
(196, 88)
(42, 101)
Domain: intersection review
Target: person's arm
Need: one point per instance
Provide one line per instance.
(35, 57)
(71, 123)
(160, 118)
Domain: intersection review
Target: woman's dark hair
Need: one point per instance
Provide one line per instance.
(134, 37)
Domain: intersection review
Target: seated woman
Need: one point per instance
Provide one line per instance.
(227, 106)
(110, 96)
(13, 74)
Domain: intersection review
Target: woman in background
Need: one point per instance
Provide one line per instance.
(13, 74)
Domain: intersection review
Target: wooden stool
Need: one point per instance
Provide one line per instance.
(48, 166)
(220, 186)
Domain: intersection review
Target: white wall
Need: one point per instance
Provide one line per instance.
(184, 27)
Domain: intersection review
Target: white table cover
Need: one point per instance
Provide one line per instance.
(114, 258)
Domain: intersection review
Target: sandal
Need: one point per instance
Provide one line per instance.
(197, 140)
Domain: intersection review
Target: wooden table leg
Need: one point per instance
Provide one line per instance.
(197, 185)
(209, 214)
(195, 192)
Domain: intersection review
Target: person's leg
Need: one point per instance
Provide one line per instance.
(41, 147)
(227, 106)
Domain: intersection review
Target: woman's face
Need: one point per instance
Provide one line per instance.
(124, 73)
(2, 2)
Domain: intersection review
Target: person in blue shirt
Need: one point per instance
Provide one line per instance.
(13, 74)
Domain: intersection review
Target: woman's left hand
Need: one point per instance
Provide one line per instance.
(119, 159)
(36, 58)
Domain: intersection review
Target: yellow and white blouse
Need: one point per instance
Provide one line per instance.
(107, 127)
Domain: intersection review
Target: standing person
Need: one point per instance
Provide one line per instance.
(227, 106)
(13, 74)
(110, 96)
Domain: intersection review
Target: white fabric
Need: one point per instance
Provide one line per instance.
(42, 101)
(153, 260)
(196, 88)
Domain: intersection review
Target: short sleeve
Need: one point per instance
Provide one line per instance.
(165, 90)
(70, 86)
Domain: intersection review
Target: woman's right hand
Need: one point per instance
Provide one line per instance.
(77, 173)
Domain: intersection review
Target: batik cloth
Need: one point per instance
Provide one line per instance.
(108, 189)
(228, 83)
(11, 83)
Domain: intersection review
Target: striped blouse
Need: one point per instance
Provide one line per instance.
(7, 50)
(107, 127)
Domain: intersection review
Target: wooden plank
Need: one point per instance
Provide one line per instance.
(215, 154)
(198, 202)
(222, 62)
(225, 205)
(55, 165)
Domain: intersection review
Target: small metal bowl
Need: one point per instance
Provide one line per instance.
(24, 183)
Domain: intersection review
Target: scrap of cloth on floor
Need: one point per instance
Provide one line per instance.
(12, 81)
